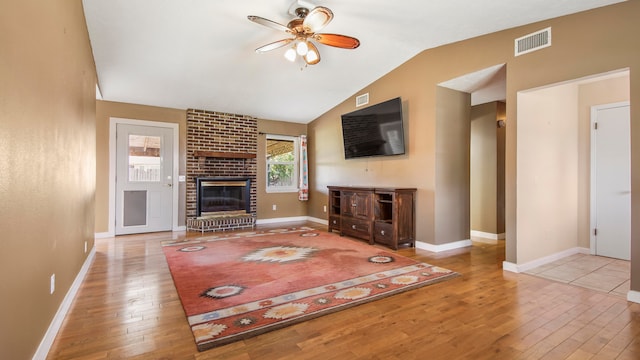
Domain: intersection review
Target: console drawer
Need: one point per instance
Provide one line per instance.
(334, 223)
(358, 228)
(383, 233)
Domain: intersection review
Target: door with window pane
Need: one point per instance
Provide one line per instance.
(144, 165)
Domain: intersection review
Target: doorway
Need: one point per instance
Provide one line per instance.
(554, 164)
(484, 156)
(143, 173)
(611, 180)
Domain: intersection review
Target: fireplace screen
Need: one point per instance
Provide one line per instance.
(223, 196)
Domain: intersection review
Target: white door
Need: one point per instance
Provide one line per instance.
(611, 180)
(144, 165)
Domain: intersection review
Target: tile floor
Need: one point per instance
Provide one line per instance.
(593, 272)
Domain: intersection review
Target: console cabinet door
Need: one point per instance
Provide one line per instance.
(347, 203)
(357, 204)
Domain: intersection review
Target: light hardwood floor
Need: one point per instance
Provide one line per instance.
(127, 308)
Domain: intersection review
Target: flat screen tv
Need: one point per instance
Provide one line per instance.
(376, 130)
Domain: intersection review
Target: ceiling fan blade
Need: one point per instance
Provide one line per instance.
(268, 23)
(336, 40)
(317, 18)
(274, 45)
(313, 55)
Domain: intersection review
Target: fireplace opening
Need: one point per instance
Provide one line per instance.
(223, 196)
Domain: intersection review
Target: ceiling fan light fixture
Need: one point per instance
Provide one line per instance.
(290, 55)
(313, 55)
(318, 18)
(304, 29)
(311, 58)
(302, 48)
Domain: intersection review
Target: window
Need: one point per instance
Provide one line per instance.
(282, 163)
(144, 158)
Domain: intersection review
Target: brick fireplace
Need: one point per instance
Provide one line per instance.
(222, 147)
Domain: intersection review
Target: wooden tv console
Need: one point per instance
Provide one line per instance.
(378, 215)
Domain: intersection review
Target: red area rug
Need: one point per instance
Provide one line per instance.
(234, 286)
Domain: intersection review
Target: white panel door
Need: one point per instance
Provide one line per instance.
(611, 187)
(144, 165)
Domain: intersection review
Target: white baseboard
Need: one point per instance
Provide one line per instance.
(281, 220)
(103, 235)
(56, 323)
(443, 247)
(509, 266)
(291, 219)
(518, 268)
(318, 220)
(487, 235)
(633, 296)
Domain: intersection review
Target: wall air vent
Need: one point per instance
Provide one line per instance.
(532, 42)
(362, 99)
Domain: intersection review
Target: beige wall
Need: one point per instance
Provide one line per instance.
(287, 204)
(452, 194)
(547, 193)
(106, 110)
(584, 44)
(47, 167)
(49, 136)
(414, 169)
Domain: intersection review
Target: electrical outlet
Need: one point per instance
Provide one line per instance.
(324, 208)
(274, 207)
(52, 285)
(85, 247)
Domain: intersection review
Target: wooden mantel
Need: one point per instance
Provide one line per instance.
(224, 155)
(202, 155)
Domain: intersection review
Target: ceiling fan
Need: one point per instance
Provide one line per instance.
(304, 29)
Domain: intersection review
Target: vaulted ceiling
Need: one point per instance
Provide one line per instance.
(200, 53)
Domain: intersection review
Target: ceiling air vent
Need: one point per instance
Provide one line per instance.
(532, 42)
(362, 99)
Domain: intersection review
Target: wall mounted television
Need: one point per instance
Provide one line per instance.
(376, 130)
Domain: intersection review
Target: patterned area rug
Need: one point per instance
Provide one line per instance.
(239, 285)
